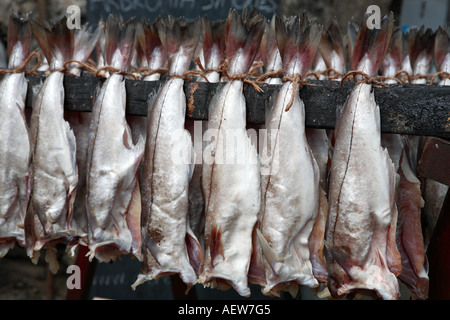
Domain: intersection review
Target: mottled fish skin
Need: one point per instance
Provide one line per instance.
(290, 200)
(15, 148)
(231, 176)
(169, 245)
(360, 233)
(290, 197)
(360, 248)
(232, 202)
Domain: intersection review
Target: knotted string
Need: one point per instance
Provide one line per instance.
(23, 67)
(243, 77)
(366, 78)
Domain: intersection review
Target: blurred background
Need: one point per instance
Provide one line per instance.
(19, 278)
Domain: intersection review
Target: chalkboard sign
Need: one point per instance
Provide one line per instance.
(189, 9)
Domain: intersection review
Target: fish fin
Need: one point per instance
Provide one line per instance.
(194, 250)
(181, 41)
(19, 38)
(133, 219)
(392, 254)
(72, 142)
(242, 40)
(119, 42)
(332, 41)
(51, 259)
(213, 41)
(268, 252)
(301, 45)
(372, 44)
(441, 47)
(256, 269)
(216, 246)
(55, 41)
(343, 258)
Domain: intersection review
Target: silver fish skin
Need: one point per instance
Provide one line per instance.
(113, 198)
(168, 244)
(55, 172)
(15, 146)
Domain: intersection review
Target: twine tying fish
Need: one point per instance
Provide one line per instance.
(442, 76)
(366, 78)
(23, 67)
(296, 80)
(243, 77)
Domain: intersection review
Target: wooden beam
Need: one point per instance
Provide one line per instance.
(405, 109)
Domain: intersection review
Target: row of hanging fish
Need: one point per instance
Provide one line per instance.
(338, 210)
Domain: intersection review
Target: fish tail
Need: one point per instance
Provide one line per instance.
(243, 36)
(119, 42)
(269, 41)
(149, 39)
(420, 42)
(370, 44)
(441, 47)
(181, 41)
(213, 36)
(55, 41)
(85, 41)
(302, 41)
(19, 38)
(332, 41)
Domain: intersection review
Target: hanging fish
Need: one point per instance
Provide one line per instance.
(231, 173)
(54, 169)
(113, 204)
(169, 245)
(360, 248)
(408, 194)
(15, 148)
(290, 192)
(331, 50)
(85, 41)
(213, 48)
